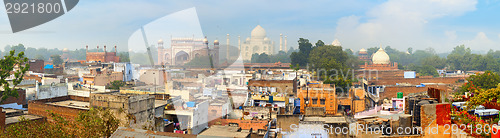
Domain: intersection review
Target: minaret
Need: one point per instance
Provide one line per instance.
(115, 50)
(227, 48)
(97, 48)
(239, 43)
(105, 54)
(285, 44)
(86, 48)
(281, 42)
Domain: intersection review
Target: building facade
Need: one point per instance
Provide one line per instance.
(183, 50)
(104, 56)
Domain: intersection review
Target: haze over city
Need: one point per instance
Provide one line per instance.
(357, 24)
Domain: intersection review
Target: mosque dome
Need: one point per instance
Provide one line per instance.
(160, 41)
(248, 39)
(380, 57)
(362, 51)
(65, 50)
(258, 33)
(205, 40)
(336, 42)
(266, 39)
(216, 42)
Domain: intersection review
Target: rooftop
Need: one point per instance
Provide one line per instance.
(15, 119)
(224, 131)
(328, 120)
(72, 104)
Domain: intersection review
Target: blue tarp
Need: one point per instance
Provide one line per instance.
(190, 104)
(48, 66)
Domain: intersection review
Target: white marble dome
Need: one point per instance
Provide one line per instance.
(380, 57)
(160, 41)
(362, 50)
(336, 42)
(258, 33)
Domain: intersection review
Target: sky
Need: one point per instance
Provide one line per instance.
(420, 24)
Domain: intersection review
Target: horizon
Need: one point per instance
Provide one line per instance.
(441, 25)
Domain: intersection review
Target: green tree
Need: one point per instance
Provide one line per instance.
(410, 50)
(124, 57)
(263, 58)
(301, 56)
(484, 81)
(329, 64)
(320, 43)
(115, 85)
(8, 63)
(39, 57)
(94, 123)
(434, 61)
(56, 59)
(255, 58)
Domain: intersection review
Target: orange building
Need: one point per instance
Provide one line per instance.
(102, 56)
(318, 95)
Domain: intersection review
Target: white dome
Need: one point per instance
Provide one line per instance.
(258, 33)
(380, 57)
(248, 39)
(336, 42)
(266, 39)
(160, 41)
(362, 50)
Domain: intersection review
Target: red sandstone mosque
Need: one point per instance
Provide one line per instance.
(104, 56)
(380, 61)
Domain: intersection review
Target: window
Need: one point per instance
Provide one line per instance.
(315, 101)
(322, 101)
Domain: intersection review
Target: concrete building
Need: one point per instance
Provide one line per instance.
(153, 77)
(318, 95)
(126, 68)
(286, 87)
(192, 117)
(133, 110)
(46, 91)
(101, 77)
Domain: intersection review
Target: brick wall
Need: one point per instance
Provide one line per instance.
(391, 91)
(435, 115)
(415, 81)
(21, 99)
(2, 119)
(38, 107)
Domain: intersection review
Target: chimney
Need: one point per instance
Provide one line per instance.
(115, 49)
(105, 49)
(86, 48)
(97, 48)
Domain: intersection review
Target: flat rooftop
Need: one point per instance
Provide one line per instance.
(328, 120)
(15, 119)
(72, 104)
(224, 131)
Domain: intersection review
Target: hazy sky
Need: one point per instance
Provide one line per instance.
(440, 24)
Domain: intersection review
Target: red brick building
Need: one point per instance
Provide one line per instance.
(102, 56)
